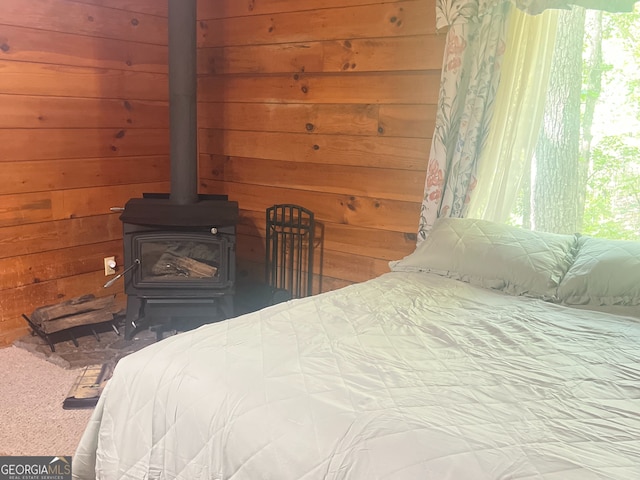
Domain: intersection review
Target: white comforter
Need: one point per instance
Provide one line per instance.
(408, 376)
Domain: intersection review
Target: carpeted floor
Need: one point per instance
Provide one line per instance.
(31, 414)
(35, 381)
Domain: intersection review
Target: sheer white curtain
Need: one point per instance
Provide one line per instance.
(517, 117)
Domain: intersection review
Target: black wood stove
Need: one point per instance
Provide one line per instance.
(180, 261)
(179, 248)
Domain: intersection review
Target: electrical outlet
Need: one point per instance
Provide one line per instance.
(109, 266)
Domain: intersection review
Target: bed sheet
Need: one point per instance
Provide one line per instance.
(407, 376)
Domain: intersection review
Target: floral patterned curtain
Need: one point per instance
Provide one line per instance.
(474, 49)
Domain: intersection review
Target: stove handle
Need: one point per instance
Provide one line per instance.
(136, 262)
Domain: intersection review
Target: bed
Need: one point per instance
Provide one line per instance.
(447, 367)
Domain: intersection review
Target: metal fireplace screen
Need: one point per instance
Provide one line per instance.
(289, 249)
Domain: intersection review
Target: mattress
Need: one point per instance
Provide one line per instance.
(407, 376)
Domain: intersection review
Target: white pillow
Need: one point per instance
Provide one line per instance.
(493, 255)
(604, 273)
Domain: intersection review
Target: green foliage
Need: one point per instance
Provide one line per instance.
(612, 199)
(612, 204)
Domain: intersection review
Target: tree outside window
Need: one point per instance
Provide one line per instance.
(585, 172)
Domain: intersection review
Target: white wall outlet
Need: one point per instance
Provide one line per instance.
(109, 266)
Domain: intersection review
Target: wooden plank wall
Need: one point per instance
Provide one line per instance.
(326, 103)
(83, 127)
(329, 104)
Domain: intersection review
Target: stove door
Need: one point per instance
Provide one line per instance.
(181, 262)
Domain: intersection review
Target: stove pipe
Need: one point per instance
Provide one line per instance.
(182, 101)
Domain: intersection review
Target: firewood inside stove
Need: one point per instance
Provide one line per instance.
(170, 264)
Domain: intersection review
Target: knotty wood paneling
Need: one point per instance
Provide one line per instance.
(49, 265)
(22, 78)
(84, 19)
(44, 176)
(348, 119)
(60, 143)
(391, 19)
(27, 208)
(378, 152)
(83, 127)
(387, 183)
(401, 53)
(33, 112)
(152, 7)
(240, 8)
(393, 215)
(329, 104)
(28, 238)
(380, 88)
(57, 48)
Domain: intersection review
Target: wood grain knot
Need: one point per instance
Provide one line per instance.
(90, 18)
(380, 130)
(309, 127)
(304, 89)
(316, 147)
(135, 22)
(127, 105)
(121, 134)
(5, 47)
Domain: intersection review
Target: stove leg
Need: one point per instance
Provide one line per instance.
(132, 321)
(226, 305)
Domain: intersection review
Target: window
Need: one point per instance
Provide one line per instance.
(580, 170)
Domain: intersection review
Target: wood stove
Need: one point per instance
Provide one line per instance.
(179, 248)
(180, 261)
